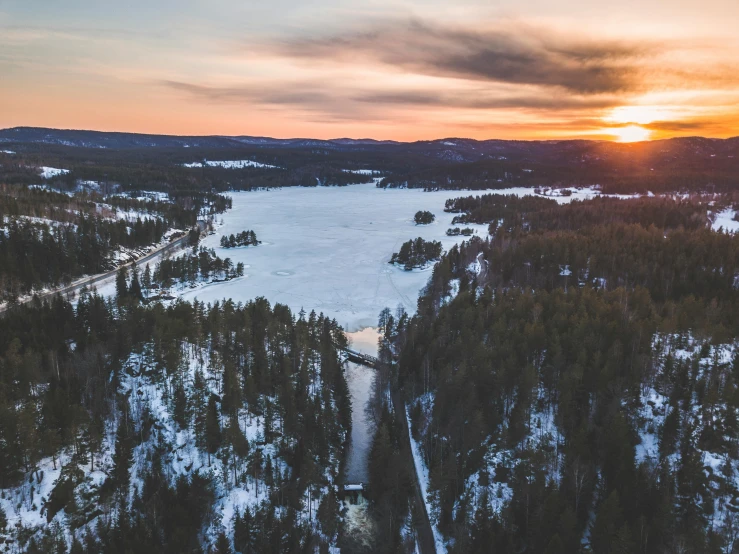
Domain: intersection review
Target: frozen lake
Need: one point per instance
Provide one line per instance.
(328, 248)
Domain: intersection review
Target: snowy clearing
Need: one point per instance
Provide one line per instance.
(49, 172)
(725, 220)
(361, 171)
(232, 164)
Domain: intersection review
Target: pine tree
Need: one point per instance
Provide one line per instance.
(245, 533)
(212, 427)
(608, 521)
(146, 283)
(134, 290)
(122, 458)
(121, 284)
(223, 545)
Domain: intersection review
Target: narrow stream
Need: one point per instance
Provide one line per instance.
(361, 379)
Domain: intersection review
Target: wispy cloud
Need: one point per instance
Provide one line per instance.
(514, 53)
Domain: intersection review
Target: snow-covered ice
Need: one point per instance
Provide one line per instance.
(328, 248)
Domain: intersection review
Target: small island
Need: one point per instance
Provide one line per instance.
(244, 238)
(417, 254)
(456, 231)
(423, 217)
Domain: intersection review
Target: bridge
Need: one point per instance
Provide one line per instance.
(362, 359)
(353, 492)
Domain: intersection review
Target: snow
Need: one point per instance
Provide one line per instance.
(7, 152)
(361, 171)
(328, 248)
(725, 220)
(49, 172)
(232, 164)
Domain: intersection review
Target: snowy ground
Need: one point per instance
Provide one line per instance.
(49, 172)
(232, 164)
(328, 248)
(725, 220)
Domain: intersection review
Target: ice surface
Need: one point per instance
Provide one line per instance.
(328, 248)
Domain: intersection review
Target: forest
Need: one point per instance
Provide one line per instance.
(423, 217)
(456, 231)
(48, 238)
(244, 238)
(116, 161)
(416, 253)
(573, 380)
(134, 428)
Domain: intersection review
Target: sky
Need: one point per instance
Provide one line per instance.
(401, 70)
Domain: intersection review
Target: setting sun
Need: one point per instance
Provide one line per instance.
(631, 133)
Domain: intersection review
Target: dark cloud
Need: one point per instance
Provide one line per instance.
(288, 94)
(356, 103)
(513, 54)
(481, 101)
(679, 126)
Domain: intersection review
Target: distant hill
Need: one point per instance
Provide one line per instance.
(450, 149)
(157, 161)
(99, 139)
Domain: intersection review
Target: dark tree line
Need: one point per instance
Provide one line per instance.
(512, 213)
(456, 231)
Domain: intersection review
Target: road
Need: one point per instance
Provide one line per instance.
(425, 535)
(76, 286)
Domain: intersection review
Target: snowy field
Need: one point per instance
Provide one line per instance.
(328, 248)
(232, 164)
(725, 221)
(49, 172)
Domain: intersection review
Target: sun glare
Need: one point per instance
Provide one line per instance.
(631, 133)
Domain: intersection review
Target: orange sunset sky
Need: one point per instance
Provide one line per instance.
(525, 69)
